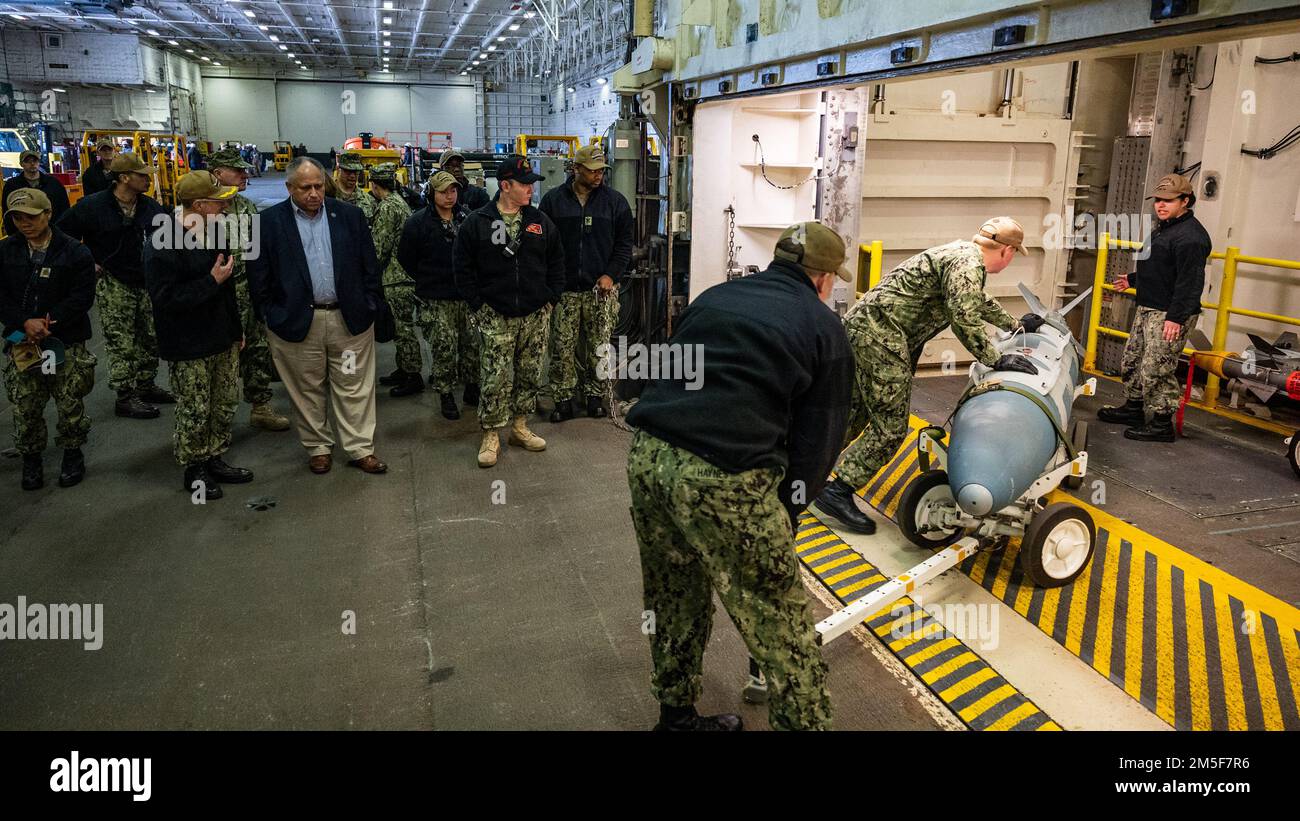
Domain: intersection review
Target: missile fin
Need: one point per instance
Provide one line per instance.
(1198, 340)
(1035, 304)
(1075, 302)
(1264, 347)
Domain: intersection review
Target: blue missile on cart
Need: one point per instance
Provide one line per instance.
(1011, 443)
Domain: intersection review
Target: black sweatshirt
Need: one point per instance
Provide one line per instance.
(117, 245)
(773, 384)
(513, 286)
(46, 184)
(194, 316)
(95, 179)
(601, 248)
(1172, 277)
(424, 252)
(63, 286)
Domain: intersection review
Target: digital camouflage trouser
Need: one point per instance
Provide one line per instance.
(255, 365)
(30, 390)
(880, 404)
(701, 529)
(511, 350)
(126, 318)
(405, 304)
(582, 322)
(1149, 363)
(453, 343)
(207, 393)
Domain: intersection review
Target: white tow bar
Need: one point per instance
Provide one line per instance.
(842, 621)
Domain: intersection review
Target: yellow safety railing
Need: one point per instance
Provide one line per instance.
(871, 255)
(1227, 285)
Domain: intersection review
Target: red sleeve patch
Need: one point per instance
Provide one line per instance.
(534, 228)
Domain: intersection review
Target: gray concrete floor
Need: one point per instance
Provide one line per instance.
(470, 615)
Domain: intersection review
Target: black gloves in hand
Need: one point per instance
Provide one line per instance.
(1015, 362)
(1031, 323)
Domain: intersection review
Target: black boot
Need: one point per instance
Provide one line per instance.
(155, 395)
(449, 409)
(199, 473)
(132, 407)
(685, 719)
(1159, 429)
(471, 394)
(594, 407)
(563, 410)
(73, 469)
(837, 500)
(1129, 413)
(395, 378)
(410, 385)
(33, 472)
(219, 470)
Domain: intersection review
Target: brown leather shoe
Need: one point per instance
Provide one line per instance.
(320, 464)
(369, 464)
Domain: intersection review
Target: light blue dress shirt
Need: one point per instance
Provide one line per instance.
(315, 235)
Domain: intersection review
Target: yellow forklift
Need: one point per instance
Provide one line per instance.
(283, 154)
(164, 153)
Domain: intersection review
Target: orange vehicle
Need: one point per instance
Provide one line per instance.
(366, 140)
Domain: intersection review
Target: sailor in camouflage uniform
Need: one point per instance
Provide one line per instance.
(348, 187)
(255, 366)
(722, 468)
(888, 329)
(390, 216)
(47, 285)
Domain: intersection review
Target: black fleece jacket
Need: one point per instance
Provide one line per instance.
(513, 285)
(597, 236)
(1172, 277)
(424, 252)
(117, 245)
(194, 316)
(63, 286)
(775, 374)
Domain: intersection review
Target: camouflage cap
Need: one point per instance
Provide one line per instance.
(28, 201)
(228, 158)
(449, 155)
(591, 157)
(28, 153)
(1006, 231)
(202, 185)
(127, 161)
(442, 181)
(1171, 187)
(350, 161)
(385, 173)
(105, 142)
(814, 246)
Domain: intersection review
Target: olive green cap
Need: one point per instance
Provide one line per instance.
(815, 247)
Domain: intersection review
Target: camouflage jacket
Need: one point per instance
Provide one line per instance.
(390, 216)
(936, 288)
(363, 200)
(243, 212)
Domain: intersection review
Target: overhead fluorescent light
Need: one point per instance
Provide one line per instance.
(17, 16)
(274, 39)
(501, 39)
(388, 4)
(386, 71)
(173, 42)
(315, 39)
(387, 43)
(528, 15)
(388, 51)
(150, 91)
(215, 63)
(514, 27)
(572, 89)
(283, 47)
(189, 51)
(264, 28)
(249, 13)
(59, 90)
(206, 59)
(492, 48)
(386, 59)
(291, 55)
(387, 33)
(600, 80)
(152, 31)
(388, 21)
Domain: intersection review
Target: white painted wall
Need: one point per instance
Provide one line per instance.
(263, 110)
(587, 112)
(1259, 207)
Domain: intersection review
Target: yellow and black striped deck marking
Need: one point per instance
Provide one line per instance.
(962, 680)
(1200, 648)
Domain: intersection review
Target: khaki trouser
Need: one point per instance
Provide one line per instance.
(330, 360)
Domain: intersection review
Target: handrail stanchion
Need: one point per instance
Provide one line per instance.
(1094, 310)
(1224, 314)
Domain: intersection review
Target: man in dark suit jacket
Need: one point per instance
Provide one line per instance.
(315, 282)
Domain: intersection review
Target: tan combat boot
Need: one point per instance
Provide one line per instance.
(487, 452)
(525, 438)
(264, 416)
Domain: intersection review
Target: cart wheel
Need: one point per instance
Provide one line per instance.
(929, 489)
(1079, 438)
(1291, 455)
(1058, 545)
